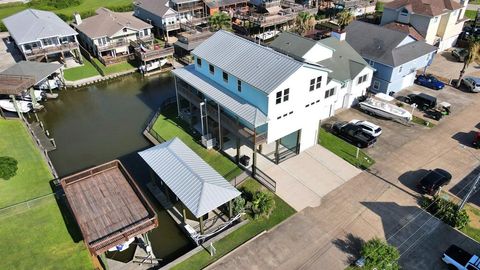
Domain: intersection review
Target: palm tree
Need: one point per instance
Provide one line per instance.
(304, 22)
(262, 204)
(219, 20)
(344, 18)
(473, 54)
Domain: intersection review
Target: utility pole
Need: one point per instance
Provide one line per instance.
(470, 192)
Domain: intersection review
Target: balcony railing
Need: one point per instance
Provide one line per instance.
(52, 49)
(154, 54)
(108, 60)
(113, 44)
(227, 122)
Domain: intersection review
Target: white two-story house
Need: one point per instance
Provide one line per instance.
(440, 22)
(42, 36)
(108, 35)
(256, 96)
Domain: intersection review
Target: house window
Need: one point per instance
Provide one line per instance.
(404, 12)
(279, 97)
(239, 85)
(211, 68)
(329, 92)
(376, 85)
(312, 84)
(362, 79)
(286, 93)
(145, 32)
(199, 62)
(225, 77)
(319, 82)
(125, 29)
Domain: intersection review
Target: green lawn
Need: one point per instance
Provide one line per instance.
(169, 126)
(344, 150)
(120, 67)
(33, 175)
(471, 14)
(39, 239)
(422, 122)
(280, 213)
(82, 72)
(85, 6)
(473, 227)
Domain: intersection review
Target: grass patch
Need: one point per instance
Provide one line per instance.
(228, 243)
(422, 122)
(38, 238)
(33, 175)
(471, 14)
(344, 150)
(473, 227)
(82, 72)
(115, 68)
(169, 126)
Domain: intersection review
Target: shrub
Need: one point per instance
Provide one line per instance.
(238, 205)
(446, 210)
(262, 204)
(123, 8)
(379, 6)
(379, 254)
(8, 167)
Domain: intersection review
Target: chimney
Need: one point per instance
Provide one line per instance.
(339, 35)
(78, 18)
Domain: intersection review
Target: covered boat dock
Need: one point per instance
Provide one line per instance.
(200, 189)
(108, 206)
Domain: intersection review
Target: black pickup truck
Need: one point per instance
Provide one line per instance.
(353, 134)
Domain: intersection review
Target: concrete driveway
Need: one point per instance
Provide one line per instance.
(9, 54)
(302, 181)
(446, 66)
(381, 203)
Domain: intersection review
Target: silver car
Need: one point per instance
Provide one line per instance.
(472, 83)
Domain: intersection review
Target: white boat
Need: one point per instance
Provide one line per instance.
(123, 246)
(49, 84)
(267, 35)
(153, 65)
(23, 106)
(385, 109)
(39, 95)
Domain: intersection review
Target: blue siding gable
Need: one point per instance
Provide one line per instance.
(254, 96)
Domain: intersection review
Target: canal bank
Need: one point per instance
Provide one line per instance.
(105, 121)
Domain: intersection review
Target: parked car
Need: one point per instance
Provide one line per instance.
(472, 83)
(460, 54)
(368, 127)
(423, 101)
(353, 134)
(429, 81)
(476, 139)
(433, 181)
(457, 258)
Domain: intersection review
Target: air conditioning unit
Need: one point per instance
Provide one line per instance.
(208, 142)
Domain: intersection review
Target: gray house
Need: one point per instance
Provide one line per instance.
(42, 36)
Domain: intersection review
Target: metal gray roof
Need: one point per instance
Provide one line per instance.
(157, 7)
(200, 188)
(292, 44)
(257, 65)
(380, 44)
(38, 70)
(216, 92)
(31, 25)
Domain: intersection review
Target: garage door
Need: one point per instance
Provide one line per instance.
(408, 80)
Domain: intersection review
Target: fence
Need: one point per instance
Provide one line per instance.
(265, 180)
(90, 59)
(149, 128)
(23, 206)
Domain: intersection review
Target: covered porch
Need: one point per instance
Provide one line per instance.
(196, 196)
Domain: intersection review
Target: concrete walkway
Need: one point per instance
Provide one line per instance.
(381, 204)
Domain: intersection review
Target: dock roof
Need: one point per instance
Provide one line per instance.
(37, 70)
(200, 188)
(108, 206)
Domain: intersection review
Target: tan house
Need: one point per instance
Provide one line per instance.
(109, 35)
(439, 22)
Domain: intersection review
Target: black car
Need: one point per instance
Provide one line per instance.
(423, 101)
(433, 181)
(353, 134)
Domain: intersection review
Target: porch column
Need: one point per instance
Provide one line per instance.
(176, 94)
(277, 158)
(33, 97)
(15, 104)
(299, 136)
(254, 156)
(238, 143)
(230, 209)
(184, 214)
(202, 230)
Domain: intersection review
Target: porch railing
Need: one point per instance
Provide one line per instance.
(265, 180)
(52, 49)
(154, 54)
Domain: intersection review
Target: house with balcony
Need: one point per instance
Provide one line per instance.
(239, 93)
(440, 22)
(42, 36)
(346, 65)
(170, 16)
(396, 56)
(109, 35)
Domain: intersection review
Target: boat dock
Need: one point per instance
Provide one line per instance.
(40, 135)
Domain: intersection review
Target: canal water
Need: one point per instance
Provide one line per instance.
(99, 123)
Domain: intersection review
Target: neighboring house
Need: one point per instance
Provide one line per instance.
(395, 55)
(357, 7)
(438, 21)
(266, 4)
(42, 36)
(171, 16)
(256, 96)
(334, 53)
(108, 35)
(187, 42)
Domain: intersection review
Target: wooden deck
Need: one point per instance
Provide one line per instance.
(108, 206)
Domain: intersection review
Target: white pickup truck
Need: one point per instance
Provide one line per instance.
(457, 258)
